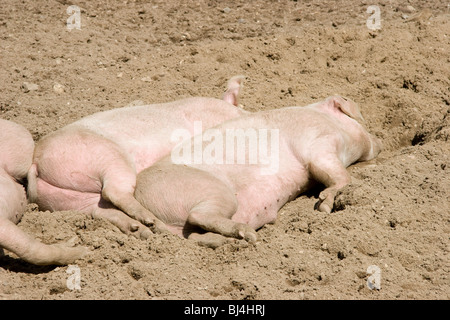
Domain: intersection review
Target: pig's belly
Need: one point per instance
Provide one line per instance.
(55, 198)
(257, 209)
(260, 201)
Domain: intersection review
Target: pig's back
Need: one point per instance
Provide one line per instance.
(147, 120)
(144, 132)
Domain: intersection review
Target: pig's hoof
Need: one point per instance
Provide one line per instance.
(64, 255)
(149, 222)
(326, 201)
(145, 233)
(323, 207)
(72, 242)
(159, 227)
(247, 233)
(134, 227)
(81, 252)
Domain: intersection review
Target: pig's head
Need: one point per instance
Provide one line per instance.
(375, 148)
(348, 112)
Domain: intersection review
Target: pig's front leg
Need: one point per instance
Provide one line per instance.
(33, 251)
(328, 170)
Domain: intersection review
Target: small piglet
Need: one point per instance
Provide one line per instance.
(233, 179)
(91, 165)
(16, 153)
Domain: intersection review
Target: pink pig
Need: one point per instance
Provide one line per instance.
(91, 164)
(16, 153)
(216, 192)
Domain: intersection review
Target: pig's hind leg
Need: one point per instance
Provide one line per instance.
(213, 213)
(121, 195)
(328, 170)
(122, 221)
(189, 197)
(118, 184)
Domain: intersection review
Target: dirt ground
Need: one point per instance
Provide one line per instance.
(394, 217)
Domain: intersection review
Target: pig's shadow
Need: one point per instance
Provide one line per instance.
(314, 193)
(20, 266)
(314, 190)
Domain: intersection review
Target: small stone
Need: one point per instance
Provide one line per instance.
(406, 9)
(158, 76)
(146, 79)
(226, 10)
(58, 88)
(186, 36)
(410, 9)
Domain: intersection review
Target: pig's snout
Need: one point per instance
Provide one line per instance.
(376, 146)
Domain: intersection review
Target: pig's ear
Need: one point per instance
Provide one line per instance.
(348, 107)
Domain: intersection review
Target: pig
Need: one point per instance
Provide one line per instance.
(16, 153)
(215, 198)
(91, 165)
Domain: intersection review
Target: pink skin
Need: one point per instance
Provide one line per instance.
(316, 144)
(91, 164)
(16, 152)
